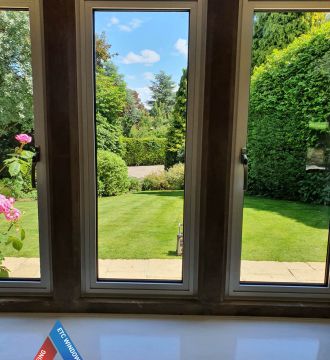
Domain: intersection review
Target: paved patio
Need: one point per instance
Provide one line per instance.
(170, 269)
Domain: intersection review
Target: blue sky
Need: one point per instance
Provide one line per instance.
(146, 42)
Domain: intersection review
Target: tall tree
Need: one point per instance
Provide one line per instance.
(176, 135)
(102, 50)
(110, 105)
(276, 30)
(162, 94)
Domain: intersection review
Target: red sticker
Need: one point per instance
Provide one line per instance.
(47, 351)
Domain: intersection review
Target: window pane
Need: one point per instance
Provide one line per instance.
(286, 205)
(141, 60)
(19, 235)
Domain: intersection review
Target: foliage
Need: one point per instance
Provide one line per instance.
(133, 112)
(276, 30)
(102, 50)
(171, 179)
(135, 184)
(162, 93)
(112, 174)
(176, 135)
(110, 105)
(155, 181)
(175, 177)
(16, 109)
(288, 92)
(144, 151)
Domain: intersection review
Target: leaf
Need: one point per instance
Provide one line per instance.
(22, 234)
(25, 154)
(17, 244)
(14, 168)
(10, 239)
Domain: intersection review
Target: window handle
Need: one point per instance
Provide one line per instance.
(244, 162)
(35, 160)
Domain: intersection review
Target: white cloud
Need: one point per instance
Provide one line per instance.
(145, 95)
(148, 75)
(132, 25)
(131, 77)
(113, 21)
(146, 57)
(124, 28)
(181, 46)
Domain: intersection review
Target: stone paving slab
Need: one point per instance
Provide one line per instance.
(171, 269)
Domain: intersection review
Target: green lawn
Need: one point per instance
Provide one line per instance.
(144, 225)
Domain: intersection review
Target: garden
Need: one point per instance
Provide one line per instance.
(286, 207)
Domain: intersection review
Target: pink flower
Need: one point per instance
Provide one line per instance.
(13, 214)
(7, 208)
(23, 138)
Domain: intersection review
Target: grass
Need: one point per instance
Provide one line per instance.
(144, 225)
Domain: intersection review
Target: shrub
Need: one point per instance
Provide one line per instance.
(112, 174)
(134, 184)
(175, 177)
(155, 181)
(288, 93)
(144, 151)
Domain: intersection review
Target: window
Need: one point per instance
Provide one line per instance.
(23, 184)
(280, 222)
(141, 80)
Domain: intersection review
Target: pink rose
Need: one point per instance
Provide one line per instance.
(7, 208)
(23, 138)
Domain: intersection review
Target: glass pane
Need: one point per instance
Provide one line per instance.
(286, 205)
(19, 235)
(141, 60)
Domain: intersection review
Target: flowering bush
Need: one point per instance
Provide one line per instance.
(17, 164)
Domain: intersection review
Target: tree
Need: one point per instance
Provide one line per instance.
(110, 104)
(16, 95)
(276, 30)
(133, 112)
(176, 135)
(102, 50)
(162, 93)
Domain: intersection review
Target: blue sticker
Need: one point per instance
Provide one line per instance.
(63, 343)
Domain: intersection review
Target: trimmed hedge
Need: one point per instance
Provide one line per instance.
(112, 174)
(144, 151)
(288, 92)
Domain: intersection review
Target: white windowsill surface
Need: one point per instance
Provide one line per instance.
(121, 337)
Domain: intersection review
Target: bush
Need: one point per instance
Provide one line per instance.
(112, 174)
(144, 151)
(288, 93)
(172, 179)
(155, 181)
(175, 177)
(134, 184)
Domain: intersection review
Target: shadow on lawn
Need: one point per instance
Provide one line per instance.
(170, 193)
(316, 216)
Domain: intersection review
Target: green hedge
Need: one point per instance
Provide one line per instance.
(144, 151)
(288, 93)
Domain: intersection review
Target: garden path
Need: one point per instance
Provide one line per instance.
(170, 269)
(142, 171)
